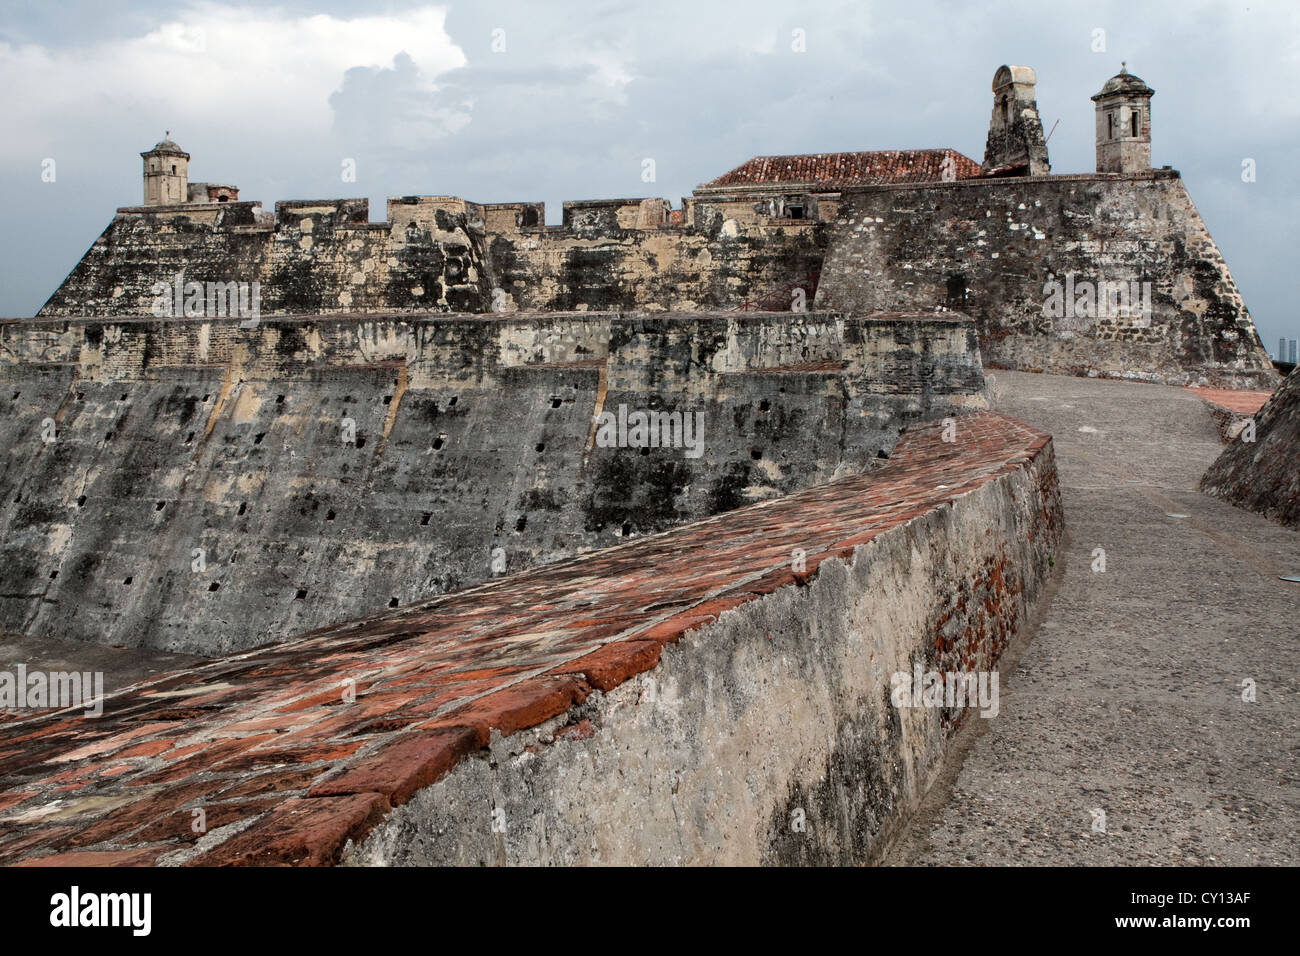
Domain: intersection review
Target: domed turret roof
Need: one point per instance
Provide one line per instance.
(167, 147)
(1124, 82)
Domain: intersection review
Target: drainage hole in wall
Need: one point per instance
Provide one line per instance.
(159, 506)
(301, 593)
(127, 579)
(439, 441)
(81, 500)
(424, 518)
(243, 506)
(756, 453)
(519, 525)
(392, 602)
(330, 515)
(213, 586)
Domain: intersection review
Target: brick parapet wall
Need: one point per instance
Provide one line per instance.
(288, 770)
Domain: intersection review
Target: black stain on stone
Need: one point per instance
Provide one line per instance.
(843, 816)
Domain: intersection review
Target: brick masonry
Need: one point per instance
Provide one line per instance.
(936, 558)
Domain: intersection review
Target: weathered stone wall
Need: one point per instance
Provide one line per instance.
(472, 434)
(440, 253)
(1264, 475)
(729, 254)
(717, 693)
(310, 257)
(989, 248)
(768, 735)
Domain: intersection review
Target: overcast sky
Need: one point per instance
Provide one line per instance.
(576, 95)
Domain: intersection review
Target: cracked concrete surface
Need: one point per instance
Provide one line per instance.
(1128, 699)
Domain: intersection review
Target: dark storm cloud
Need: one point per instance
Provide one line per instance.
(584, 92)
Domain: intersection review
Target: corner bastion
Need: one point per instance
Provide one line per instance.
(1260, 470)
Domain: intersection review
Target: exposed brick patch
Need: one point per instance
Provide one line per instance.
(521, 705)
(276, 781)
(1243, 401)
(614, 663)
(300, 832)
(139, 857)
(180, 824)
(398, 769)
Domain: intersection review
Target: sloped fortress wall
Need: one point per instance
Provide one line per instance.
(1264, 475)
(726, 692)
(207, 487)
(773, 734)
(995, 248)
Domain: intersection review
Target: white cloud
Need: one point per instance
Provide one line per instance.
(212, 61)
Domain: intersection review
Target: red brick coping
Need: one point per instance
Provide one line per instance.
(1240, 401)
(266, 741)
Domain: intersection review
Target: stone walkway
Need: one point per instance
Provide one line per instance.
(1128, 699)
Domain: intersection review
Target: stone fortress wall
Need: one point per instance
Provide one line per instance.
(474, 452)
(927, 230)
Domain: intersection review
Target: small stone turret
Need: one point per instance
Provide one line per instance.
(1124, 124)
(166, 173)
(1015, 131)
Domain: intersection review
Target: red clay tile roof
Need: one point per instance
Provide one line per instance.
(850, 169)
(268, 735)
